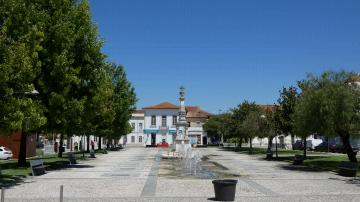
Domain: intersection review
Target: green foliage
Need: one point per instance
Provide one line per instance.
(220, 125)
(287, 102)
(240, 114)
(54, 47)
(252, 125)
(21, 35)
(124, 100)
(329, 105)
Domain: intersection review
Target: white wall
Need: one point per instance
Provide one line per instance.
(169, 113)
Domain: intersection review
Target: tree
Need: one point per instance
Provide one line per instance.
(252, 126)
(21, 35)
(239, 115)
(220, 126)
(212, 127)
(287, 103)
(69, 59)
(124, 100)
(329, 105)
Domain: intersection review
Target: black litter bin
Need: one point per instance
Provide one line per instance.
(224, 189)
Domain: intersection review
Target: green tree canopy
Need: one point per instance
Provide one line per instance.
(329, 105)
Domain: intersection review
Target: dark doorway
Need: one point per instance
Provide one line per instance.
(204, 140)
(153, 139)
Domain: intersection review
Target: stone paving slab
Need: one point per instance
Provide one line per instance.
(133, 175)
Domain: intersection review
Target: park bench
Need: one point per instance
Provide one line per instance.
(269, 155)
(348, 169)
(116, 148)
(298, 159)
(37, 167)
(92, 153)
(72, 158)
(229, 146)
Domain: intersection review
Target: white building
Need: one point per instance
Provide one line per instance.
(157, 124)
(160, 123)
(137, 123)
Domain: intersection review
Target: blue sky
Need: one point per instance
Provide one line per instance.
(225, 51)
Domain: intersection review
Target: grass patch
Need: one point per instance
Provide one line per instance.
(324, 163)
(263, 151)
(318, 160)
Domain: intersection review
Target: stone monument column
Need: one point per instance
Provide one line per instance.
(182, 140)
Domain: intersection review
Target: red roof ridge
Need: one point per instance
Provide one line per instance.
(163, 105)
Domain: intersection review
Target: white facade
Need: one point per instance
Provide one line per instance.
(136, 137)
(160, 126)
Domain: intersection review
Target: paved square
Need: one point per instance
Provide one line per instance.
(133, 175)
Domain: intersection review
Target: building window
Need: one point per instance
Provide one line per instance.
(140, 139)
(133, 126)
(140, 127)
(163, 121)
(153, 120)
(132, 139)
(174, 120)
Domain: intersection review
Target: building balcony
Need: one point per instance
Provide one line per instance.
(195, 129)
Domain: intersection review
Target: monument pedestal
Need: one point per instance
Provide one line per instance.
(182, 146)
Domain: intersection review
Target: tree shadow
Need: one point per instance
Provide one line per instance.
(354, 181)
(10, 180)
(300, 168)
(16, 175)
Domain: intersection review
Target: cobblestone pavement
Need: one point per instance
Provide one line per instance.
(132, 175)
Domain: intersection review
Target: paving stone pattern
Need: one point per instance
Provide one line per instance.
(132, 175)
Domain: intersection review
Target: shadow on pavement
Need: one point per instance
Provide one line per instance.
(300, 168)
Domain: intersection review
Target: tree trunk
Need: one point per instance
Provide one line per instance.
(68, 142)
(276, 147)
(240, 144)
(250, 151)
(88, 143)
(292, 141)
(108, 143)
(345, 137)
(99, 143)
(61, 143)
(22, 152)
(304, 148)
(270, 143)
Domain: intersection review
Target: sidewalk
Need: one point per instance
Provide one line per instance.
(132, 174)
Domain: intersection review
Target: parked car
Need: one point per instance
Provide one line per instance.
(333, 147)
(162, 144)
(5, 153)
(298, 145)
(325, 146)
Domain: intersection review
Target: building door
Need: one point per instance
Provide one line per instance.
(204, 140)
(153, 139)
(132, 139)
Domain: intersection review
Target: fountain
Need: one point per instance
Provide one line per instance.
(182, 150)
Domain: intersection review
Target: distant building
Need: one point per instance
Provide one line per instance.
(137, 124)
(12, 141)
(157, 124)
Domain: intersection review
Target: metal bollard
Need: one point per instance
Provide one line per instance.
(61, 193)
(2, 194)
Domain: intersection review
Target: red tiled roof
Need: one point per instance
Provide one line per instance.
(191, 111)
(163, 105)
(196, 112)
